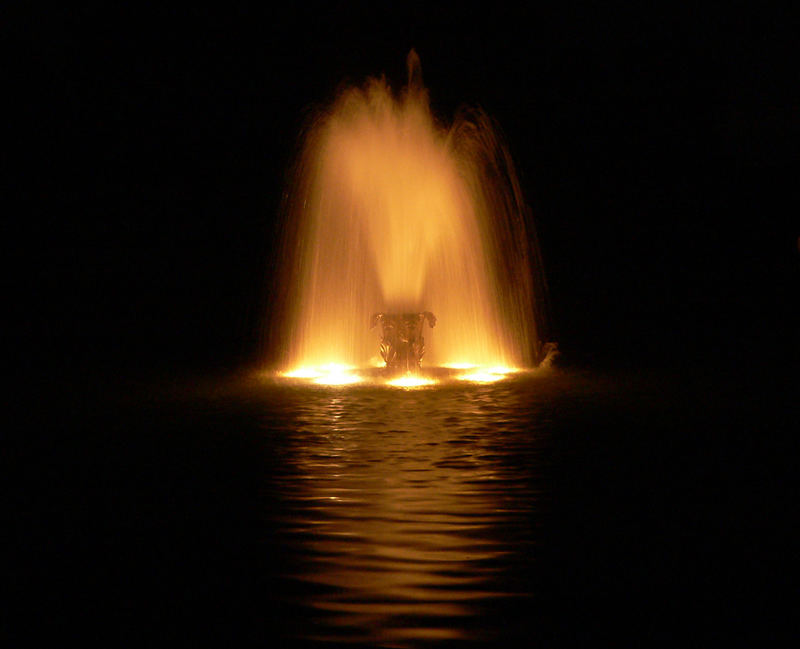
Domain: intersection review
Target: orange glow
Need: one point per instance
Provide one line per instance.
(329, 374)
(341, 374)
(398, 529)
(410, 382)
(502, 370)
(393, 212)
(487, 375)
(303, 373)
(481, 377)
(337, 379)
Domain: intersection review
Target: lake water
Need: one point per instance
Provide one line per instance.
(550, 508)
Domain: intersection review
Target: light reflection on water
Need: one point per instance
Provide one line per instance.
(569, 509)
(407, 512)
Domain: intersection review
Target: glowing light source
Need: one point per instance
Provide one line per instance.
(487, 375)
(410, 382)
(502, 370)
(480, 377)
(302, 373)
(337, 379)
(330, 374)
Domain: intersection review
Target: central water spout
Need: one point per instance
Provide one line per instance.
(391, 210)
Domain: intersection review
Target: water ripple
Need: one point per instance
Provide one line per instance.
(404, 511)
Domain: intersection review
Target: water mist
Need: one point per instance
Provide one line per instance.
(391, 211)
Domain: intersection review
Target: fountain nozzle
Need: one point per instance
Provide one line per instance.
(402, 345)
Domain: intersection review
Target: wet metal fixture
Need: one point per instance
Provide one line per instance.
(402, 344)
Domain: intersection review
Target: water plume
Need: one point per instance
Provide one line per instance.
(391, 211)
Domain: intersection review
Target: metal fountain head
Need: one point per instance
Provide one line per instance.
(402, 345)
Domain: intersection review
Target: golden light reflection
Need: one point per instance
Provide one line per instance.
(502, 370)
(337, 379)
(342, 374)
(487, 375)
(302, 373)
(480, 377)
(401, 513)
(410, 382)
(329, 374)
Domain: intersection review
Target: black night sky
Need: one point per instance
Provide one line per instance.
(656, 153)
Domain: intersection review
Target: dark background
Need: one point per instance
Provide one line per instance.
(657, 153)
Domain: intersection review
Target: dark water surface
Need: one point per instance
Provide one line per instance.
(549, 509)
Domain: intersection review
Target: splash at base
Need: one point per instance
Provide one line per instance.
(337, 376)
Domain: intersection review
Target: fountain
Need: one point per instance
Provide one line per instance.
(391, 213)
(402, 344)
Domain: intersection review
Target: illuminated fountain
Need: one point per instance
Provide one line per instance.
(391, 213)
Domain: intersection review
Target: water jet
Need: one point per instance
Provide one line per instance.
(391, 212)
